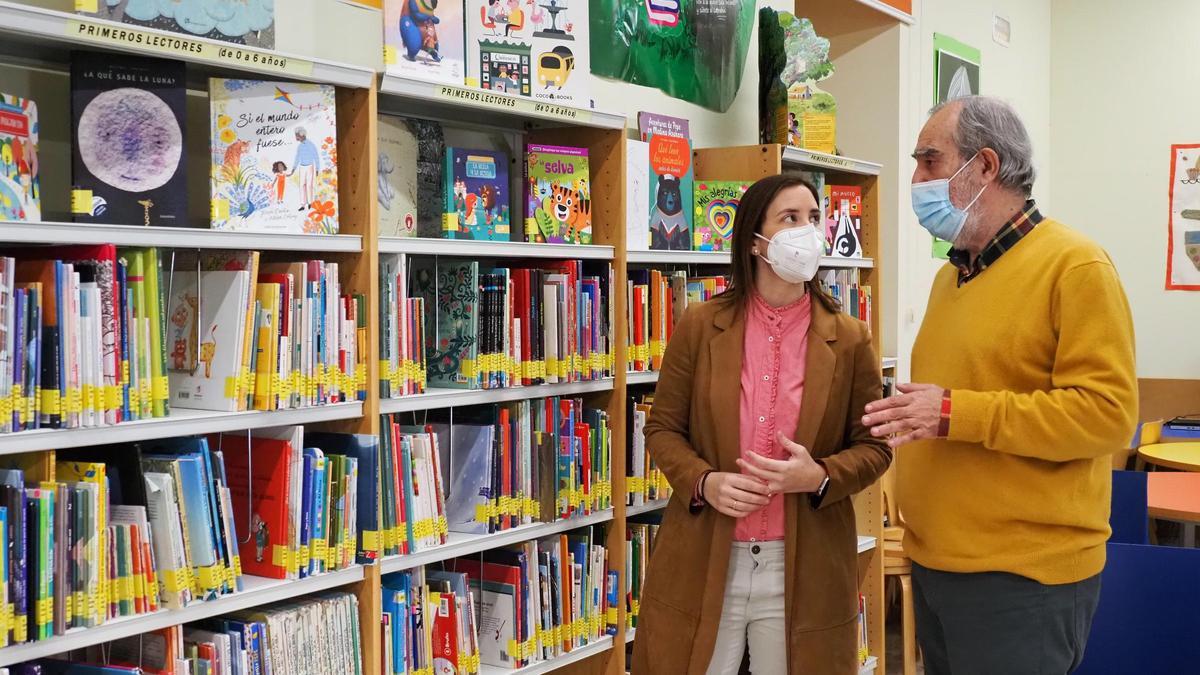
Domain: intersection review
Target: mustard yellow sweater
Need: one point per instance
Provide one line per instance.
(1038, 352)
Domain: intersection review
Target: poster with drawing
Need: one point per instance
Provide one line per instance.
(1183, 226)
(955, 74)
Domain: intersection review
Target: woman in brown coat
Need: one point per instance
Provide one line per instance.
(757, 425)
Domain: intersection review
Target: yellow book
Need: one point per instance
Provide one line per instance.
(267, 347)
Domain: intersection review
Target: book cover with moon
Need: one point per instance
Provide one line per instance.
(128, 158)
(274, 156)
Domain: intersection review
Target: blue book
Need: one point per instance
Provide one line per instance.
(244, 635)
(198, 448)
(319, 505)
(470, 483)
(307, 493)
(12, 491)
(202, 549)
(364, 449)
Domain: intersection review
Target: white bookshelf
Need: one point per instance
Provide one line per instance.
(181, 422)
(720, 258)
(435, 398)
(866, 544)
(472, 105)
(630, 635)
(12, 232)
(469, 544)
(574, 656)
(48, 35)
(890, 362)
(869, 667)
(648, 507)
(799, 158)
(258, 591)
(493, 249)
(641, 377)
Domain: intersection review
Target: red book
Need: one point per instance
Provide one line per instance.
(506, 463)
(445, 634)
(526, 314)
(584, 432)
(639, 335)
(509, 576)
(265, 553)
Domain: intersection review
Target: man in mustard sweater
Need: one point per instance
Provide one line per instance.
(1025, 365)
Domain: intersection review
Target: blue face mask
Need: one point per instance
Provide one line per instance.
(936, 213)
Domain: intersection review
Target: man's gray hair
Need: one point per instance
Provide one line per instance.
(986, 122)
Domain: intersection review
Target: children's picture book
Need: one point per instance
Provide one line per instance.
(716, 206)
(128, 158)
(20, 192)
(637, 195)
(206, 318)
(476, 189)
(558, 191)
(244, 22)
(845, 220)
(274, 156)
(534, 48)
(423, 39)
(671, 190)
(397, 175)
(671, 193)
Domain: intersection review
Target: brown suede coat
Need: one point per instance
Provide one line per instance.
(694, 427)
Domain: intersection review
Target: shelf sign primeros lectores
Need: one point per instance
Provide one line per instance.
(513, 103)
(185, 48)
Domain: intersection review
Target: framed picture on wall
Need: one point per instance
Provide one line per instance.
(955, 74)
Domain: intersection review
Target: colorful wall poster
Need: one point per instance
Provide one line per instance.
(20, 191)
(1183, 224)
(423, 39)
(534, 48)
(477, 205)
(243, 22)
(558, 186)
(955, 74)
(128, 158)
(716, 207)
(274, 156)
(793, 110)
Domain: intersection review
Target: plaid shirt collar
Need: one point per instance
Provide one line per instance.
(1008, 236)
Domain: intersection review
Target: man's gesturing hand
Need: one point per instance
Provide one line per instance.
(912, 415)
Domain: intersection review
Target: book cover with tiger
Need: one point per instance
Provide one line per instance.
(558, 206)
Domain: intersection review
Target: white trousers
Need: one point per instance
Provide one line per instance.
(753, 611)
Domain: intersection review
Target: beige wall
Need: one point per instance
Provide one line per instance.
(1019, 74)
(1111, 153)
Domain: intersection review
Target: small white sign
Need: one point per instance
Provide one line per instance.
(1001, 30)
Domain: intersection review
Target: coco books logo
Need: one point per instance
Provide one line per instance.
(663, 12)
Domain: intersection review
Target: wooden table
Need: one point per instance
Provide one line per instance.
(1181, 456)
(1175, 496)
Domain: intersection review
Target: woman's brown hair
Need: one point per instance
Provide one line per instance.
(751, 212)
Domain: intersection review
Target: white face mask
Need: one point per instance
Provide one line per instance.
(795, 253)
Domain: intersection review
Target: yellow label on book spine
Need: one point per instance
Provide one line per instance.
(636, 608)
(50, 401)
(208, 578)
(81, 201)
(87, 6)
(443, 526)
(162, 388)
(481, 513)
(471, 663)
(279, 556)
(321, 550)
(370, 541)
(611, 615)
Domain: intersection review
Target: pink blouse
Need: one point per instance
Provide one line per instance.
(773, 356)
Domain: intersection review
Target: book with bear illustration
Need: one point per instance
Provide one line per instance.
(716, 206)
(533, 48)
(476, 195)
(274, 156)
(558, 193)
(672, 190)
(423, 39)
